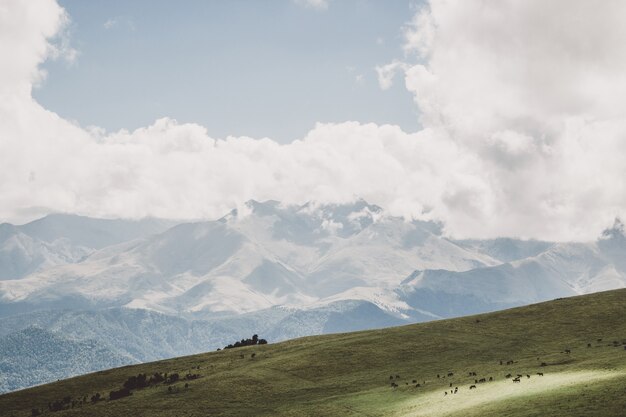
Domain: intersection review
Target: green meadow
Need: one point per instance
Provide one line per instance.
(376, 373)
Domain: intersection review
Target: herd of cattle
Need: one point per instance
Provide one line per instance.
(517, 378)
(453, 388)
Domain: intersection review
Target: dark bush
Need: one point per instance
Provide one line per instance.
(247, 342)
(135, 382)
(121, 393)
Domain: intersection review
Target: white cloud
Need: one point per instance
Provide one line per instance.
(523, 132)
(536, 92)
(313, 4)
(386, 73)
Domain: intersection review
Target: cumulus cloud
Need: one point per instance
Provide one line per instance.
(523, 133)
(535, 92)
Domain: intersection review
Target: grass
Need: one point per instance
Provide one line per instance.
(349, 374)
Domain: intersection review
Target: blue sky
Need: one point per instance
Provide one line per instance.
(261, 69)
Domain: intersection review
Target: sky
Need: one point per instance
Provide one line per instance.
(498, 118)
(260, 69)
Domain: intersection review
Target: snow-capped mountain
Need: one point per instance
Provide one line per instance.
(153, 289)
(563, 269)
(271, 255)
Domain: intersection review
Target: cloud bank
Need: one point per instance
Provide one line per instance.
(521, 104)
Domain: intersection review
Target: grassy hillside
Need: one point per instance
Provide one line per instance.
(352, 374)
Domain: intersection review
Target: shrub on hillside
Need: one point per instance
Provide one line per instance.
(247, 342)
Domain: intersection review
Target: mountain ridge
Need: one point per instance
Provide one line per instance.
(291, 271)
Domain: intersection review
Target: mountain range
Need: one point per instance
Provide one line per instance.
(150, 289)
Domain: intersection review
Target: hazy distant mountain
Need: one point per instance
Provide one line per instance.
(301, 257)
(60, 239)
(505, 249)
(272, 255)
(154, 289)
(563, 269)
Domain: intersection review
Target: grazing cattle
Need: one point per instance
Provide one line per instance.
(394, 385)
(490, 378)
(445, 393)
(599, 340)
(527, 376)
(588, 345)
(540, 373)
(500, 362)
(450, 384)
(516, 379)
(417, 386)
(475, 381)
(415, 381)
(508, 376)
(568, 351)
(406, 383)
(519, 375)
(456, 390)
(390, 376)
(438, 376)
(397, 376)
(450, 374)
(482, 380)
(544, 364)
(509, 362)
(472, 386)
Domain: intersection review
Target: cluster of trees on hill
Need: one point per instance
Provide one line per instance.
(134, 382)
(247, 342)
